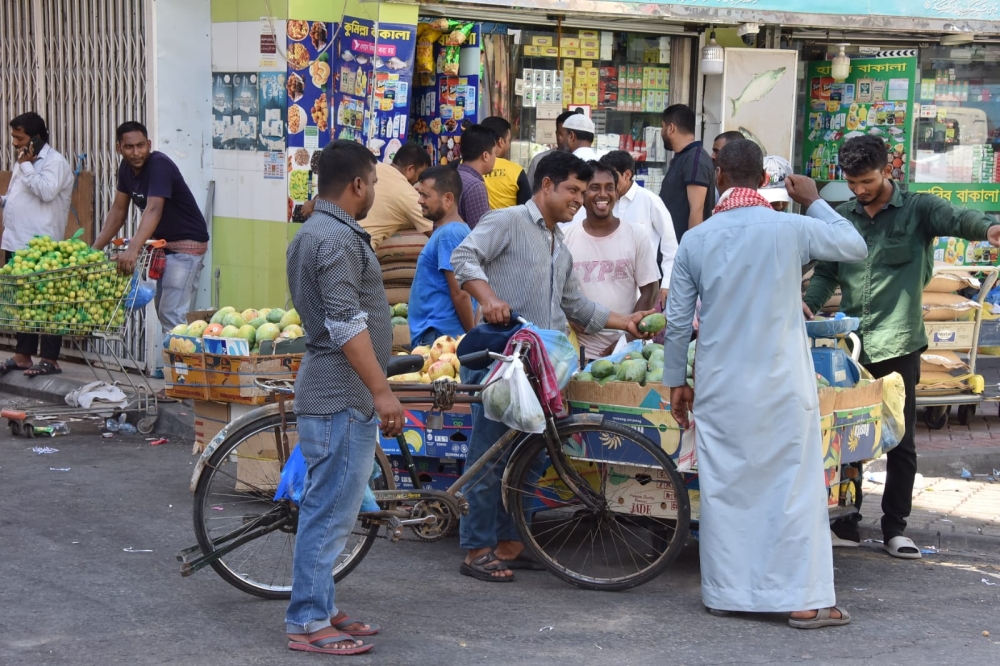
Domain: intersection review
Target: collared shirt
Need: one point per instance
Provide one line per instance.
(691, 166)
(884, 291)
(396, 207)
(38, 199)
(475, 201)
(528, 267)
(336, 284)
(641, 207)
(534, 165)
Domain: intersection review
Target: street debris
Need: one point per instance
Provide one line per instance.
(44, 450)
(860, 589)
(217, 508)
(130, 549)
(986, 582)
(945, 520)
(158, 442)
(966, 474)
(875, 477)
(552, 628)
(107, 435)
(58, 469)
(986, 634)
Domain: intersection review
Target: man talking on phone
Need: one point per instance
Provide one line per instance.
(36, 204)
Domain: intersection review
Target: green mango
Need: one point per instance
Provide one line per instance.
(602, 369)
(654, 376)
(620, 371)
(649, 349)
(634, 370)
(653, 323)
(634, 356)
(399, 321)
(583, 377)
(606, 380)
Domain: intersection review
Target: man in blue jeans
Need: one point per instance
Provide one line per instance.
(150, 180)
(438, 306)
(340, 392)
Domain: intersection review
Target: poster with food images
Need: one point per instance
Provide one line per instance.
(354, 65)
(875, 99)
(395, 47)
(307, 82)
(445, 101)
(222, 108)
(272, 111)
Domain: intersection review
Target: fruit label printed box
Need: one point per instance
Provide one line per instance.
(435, 473)
(450, 441)
(185, 375)
(231, 378)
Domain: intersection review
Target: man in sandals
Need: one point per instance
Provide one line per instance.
(883, 293)
(37, 203)
(503, 264)
(341, 391)
(765, 535)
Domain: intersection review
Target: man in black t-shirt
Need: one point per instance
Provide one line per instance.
(688, 188)
(151, 181)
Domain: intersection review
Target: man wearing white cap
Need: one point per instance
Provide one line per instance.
(777, 169)
(577, 134)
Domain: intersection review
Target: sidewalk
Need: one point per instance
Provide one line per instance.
(948, 513)
(176, 420)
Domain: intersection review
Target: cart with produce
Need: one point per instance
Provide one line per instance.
(955, 332)
(66, 288)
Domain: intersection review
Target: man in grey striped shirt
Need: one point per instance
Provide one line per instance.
(515, 261)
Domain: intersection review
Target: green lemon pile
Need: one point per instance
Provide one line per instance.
(62, 288)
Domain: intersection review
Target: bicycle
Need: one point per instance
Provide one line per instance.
(597, 503)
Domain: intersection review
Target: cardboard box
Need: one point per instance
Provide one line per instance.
(591, 44)
(434, 473)
(589, 34)
(592, 96)
(258, 466)
(593, 77)
(550, 51)
(579, 95)
(231, 378)
(196, 315)
(568, 67)
(590, 53)
(543, 41)
(532, 51)
(401, 336)
(450, 441)
(951, 334)
(185, 375)
(643, 408)
(209, 419)
(569, 52)
(570, 42)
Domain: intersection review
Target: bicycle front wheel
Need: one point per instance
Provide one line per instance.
(627, 522)
(234, 500)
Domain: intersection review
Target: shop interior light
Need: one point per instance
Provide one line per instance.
(841, 67)
(713, 57)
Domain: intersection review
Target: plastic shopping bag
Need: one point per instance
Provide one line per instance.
(565, 358)
(619, 355)
(293, 482)
(509, 399)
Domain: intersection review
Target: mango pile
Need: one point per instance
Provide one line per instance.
(440, 362)
(645, 367)
(62, 288)
(251, 325)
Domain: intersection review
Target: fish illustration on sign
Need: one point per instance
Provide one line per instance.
(757, 89)
(750, 136)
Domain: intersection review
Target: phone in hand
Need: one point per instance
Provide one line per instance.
(37, 143)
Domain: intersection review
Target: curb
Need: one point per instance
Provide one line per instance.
(175, 420)
(949, 464)
(942, 541)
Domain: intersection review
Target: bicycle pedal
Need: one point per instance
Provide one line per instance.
(395, 529)
(186, 554)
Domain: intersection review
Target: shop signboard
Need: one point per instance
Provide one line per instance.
(353, 67)
(977, 196)
(876, 99)
(307, 83)
(758, 96)
(983, 10)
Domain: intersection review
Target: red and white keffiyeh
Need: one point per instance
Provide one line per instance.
(740, 197)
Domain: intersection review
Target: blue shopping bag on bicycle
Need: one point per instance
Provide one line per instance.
(563, 355)
(293, 482)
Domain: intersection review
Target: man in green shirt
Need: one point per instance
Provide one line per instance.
(884, 292)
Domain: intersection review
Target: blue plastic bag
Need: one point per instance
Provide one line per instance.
(634, 346)
(293, 482)
(140, 294)
(561, 353)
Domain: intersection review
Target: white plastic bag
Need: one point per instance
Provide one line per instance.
(510, 399)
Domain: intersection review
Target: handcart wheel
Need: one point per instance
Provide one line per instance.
(15, 428)
(936, 418)
(28, 430)
(966, 413)
(145, 425)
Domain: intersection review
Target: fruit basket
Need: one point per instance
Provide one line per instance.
(65, 288)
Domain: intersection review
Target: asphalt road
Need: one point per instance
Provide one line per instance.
(70, 594)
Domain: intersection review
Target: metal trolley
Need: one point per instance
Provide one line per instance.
(88, 300)
(961, 336)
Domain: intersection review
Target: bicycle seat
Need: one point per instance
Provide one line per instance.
(401, 365)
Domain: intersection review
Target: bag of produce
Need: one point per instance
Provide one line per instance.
(509, 399)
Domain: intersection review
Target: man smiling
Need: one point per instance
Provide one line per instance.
(515, 261)
(614, 261)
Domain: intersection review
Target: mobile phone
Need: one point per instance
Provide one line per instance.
(37, 143)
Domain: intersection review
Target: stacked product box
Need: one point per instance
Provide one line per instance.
(542, 86)
(439, 454)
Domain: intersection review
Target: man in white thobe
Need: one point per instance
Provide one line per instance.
(764, 534)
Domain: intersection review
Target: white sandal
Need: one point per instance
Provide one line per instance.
(895, 546)
(822, 619)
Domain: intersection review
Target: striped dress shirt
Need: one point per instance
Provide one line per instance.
(528, 267)
(475, 200)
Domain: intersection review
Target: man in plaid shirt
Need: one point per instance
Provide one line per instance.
(478, 159)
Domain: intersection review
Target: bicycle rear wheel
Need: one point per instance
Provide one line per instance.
(639, 515)
(235, 498)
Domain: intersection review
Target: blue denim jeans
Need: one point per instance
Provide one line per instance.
(339, 450)
(487, 522)
(175, 289)
(428, 338)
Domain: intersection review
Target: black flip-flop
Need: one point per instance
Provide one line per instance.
(9, 366)
(483, 568)
(42, 368)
